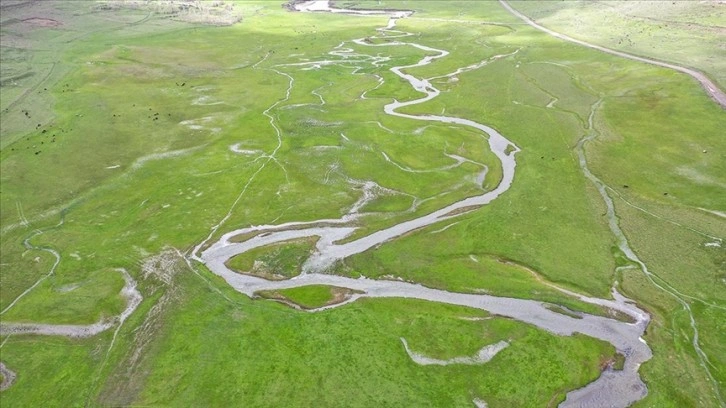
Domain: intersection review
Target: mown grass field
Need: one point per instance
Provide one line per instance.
(133, 116)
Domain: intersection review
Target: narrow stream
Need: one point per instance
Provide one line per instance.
(624, 246)
(612, 388)
(129, 292)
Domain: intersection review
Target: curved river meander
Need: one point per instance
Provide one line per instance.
(612, 388)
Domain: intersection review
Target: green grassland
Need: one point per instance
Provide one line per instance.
(309, 297)
(64, 299)
(279, 261)
(690, 33)
(137, 113)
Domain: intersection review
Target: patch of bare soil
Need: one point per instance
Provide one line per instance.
(128, 377)
(42, 22)
(340, 295)
(163, 266)
(8, 377)
(615, 362)
(261, 270)
(216, 12)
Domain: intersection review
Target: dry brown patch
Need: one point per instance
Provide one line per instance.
(612, 362)
(260, 270)
(42, 22)
(214, 12)
(340, 295)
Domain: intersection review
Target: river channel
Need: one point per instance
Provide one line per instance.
(618, 388)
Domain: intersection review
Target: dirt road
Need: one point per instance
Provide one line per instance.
(711, 88)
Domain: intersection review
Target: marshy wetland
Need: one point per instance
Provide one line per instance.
(400, 203)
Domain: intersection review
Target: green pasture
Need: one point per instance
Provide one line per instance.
(308, 297)
(689, 33)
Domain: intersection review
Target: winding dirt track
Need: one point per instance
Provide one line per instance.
(711, 88)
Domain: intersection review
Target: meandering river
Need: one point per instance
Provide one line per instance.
(617, 388)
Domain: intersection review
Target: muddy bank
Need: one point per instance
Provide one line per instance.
(8, 377)
(338, 297)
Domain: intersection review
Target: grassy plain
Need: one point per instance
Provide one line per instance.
(135, 160)
(689, 33)
(311, 296)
